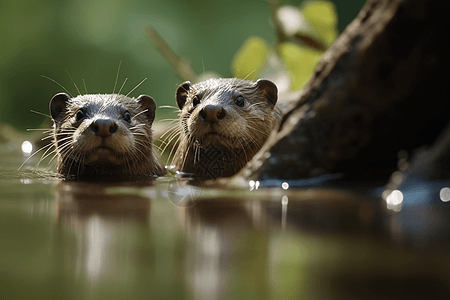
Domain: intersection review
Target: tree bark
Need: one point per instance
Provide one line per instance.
(381, 88)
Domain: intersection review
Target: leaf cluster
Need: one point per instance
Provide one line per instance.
(303, 35)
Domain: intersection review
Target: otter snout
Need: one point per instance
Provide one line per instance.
(212, 113)
(103, 127)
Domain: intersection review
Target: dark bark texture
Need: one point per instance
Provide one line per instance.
(381, 88)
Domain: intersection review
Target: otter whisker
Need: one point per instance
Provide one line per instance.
(138, 114)
(39, 129)
(46, 153)
(172, 152)
(34, 153)
(203, 66)
(66, 140)
(186, 154)
(138, 126)
(169, 106)
(72, 161)
(138, 133)
(117, 77)
(168, 133)
(136, 87)
(168, 141)
(46, 138)
(39, 113)
(79, 93)
(157, 147)
(170, 121)
(121, 87)
(174, 149)
(54, 156)
(85, 88)
(57, 84)
(81, 158)
(140, 151)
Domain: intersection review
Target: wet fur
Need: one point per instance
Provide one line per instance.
(130, 148)
(238, 136)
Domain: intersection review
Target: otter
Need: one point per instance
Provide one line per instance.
(104, 135)
(223, 123)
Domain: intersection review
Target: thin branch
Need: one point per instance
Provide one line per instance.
(182, 67)
(274, 6)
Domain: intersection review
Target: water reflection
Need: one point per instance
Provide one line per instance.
(217, 231)
(284, 206)
(420, 211)
(97, 221)
(181, 193)
(94, 241)
(228, 236)
(125, 240)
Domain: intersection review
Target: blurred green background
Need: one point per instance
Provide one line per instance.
(88, 40)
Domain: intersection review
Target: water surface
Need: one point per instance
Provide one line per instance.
(165, 239)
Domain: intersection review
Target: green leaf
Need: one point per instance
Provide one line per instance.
(300, 62)
(323, 17)
(314, 25)
(250, 59)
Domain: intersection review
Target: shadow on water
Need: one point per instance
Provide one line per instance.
(168, 239)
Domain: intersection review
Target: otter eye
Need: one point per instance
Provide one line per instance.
(196, 100)
(240, 101)
(80, 115)
(127, 116)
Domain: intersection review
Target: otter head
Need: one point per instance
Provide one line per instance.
(230, 115)
(227, 112)
(102, 134)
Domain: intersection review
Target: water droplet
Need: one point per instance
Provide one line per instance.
(444, 194)
(27, 148)
(251, 184)
(256, 184)
(395, 198)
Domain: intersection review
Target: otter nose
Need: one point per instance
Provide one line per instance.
(212, 113)
(103, 127)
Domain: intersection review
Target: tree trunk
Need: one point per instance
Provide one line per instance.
(381, 88)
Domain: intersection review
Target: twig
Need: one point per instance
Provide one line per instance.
(182, 67)
(274, 6)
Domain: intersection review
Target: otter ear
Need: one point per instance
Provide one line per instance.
(58, 106)
(269, 90)
(149, 104)
(182, 93)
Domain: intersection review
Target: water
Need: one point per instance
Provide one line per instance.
(166, 239)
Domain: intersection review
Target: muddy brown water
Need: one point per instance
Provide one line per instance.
(166, 239)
